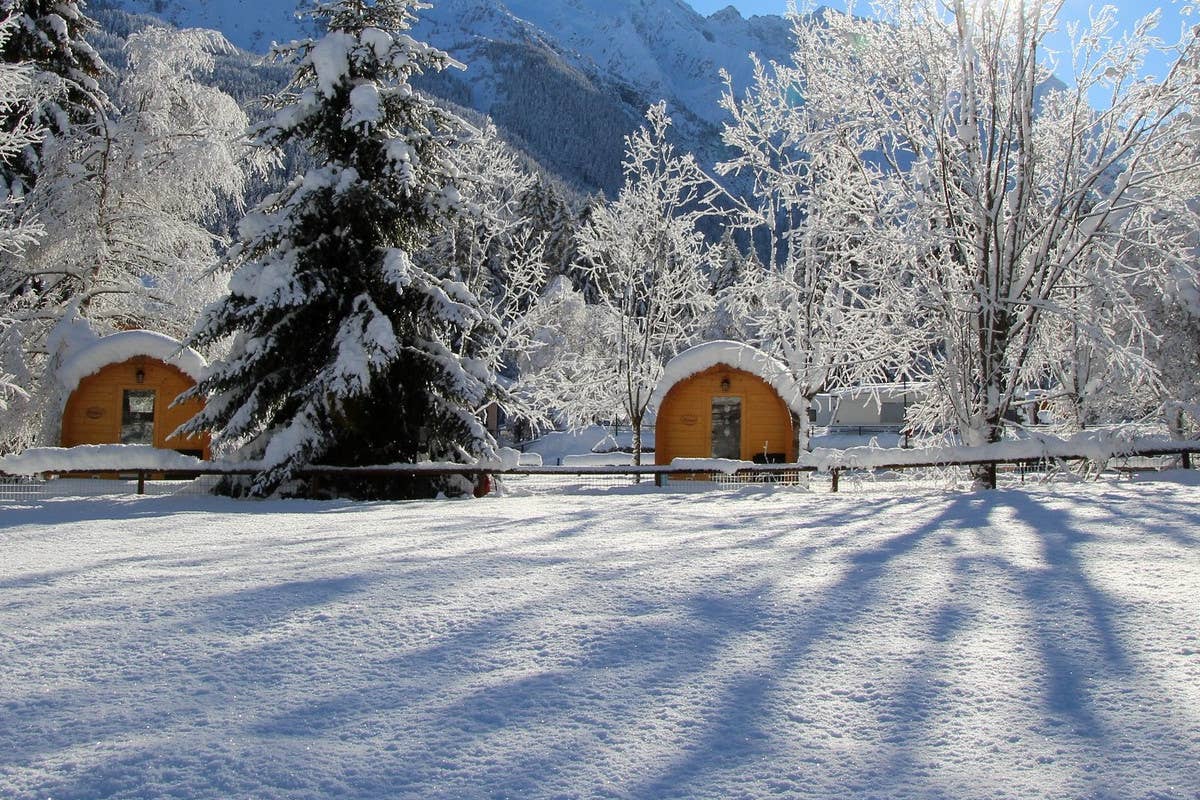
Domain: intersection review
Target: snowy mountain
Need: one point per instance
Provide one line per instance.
(660, 48)
(565, 78)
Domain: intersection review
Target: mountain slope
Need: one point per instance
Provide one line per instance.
(568, 78)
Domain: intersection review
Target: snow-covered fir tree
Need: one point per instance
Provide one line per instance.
(345, 350)
(51, 35)
(21, 95)
(649, 269)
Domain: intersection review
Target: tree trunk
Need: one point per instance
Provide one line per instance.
(803, 442)
(983, 476)
(635, 425)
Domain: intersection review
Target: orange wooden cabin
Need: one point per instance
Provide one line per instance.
(725, 400)
(129, 401)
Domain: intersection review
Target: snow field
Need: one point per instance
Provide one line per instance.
(638, 643)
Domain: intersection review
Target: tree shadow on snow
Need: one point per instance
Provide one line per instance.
(1078, 651)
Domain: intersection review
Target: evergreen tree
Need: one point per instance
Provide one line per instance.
(345, 350)
(549, 217)
(49, 34)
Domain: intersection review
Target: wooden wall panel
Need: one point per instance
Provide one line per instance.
(93, 411)
(684, 425)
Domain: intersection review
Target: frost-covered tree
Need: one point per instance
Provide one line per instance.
(822, 300)
(505, 259)
(649, 265)
(50, 35)
(729, 267)
(346, 350)
(477, 243)
(19, 100)
(996, 188)
(127, 204)
(1171, 294)
(564, 371)
(551, 217)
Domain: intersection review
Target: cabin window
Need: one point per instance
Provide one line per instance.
(892, 413)
(137, 417)
(726, 427)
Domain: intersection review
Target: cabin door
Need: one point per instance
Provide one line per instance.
(137, 416)
(727, 427)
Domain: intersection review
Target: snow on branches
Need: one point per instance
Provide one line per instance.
(647, 259)
(1003, 201)
(347, 348)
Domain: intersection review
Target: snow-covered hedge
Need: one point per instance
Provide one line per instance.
(615, 458)
(1095, 445)
(103, 457)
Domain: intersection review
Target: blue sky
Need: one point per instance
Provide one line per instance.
(1128, 12)
(1074, 9)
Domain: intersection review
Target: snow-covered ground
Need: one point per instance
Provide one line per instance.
(1041, 642)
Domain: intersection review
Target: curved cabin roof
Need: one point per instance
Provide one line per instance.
(697, 359)
(118, 347)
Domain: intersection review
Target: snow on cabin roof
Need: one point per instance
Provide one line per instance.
(732, 354)
(118, 347)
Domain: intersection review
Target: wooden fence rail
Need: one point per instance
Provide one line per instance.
(660, 473)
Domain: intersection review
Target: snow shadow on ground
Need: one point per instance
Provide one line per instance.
(995, 644)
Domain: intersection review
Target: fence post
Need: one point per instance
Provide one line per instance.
(141, 481)
(834, 485)
(1187, 459)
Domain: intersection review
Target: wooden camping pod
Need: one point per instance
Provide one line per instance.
(686, 417)
(104, 407)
